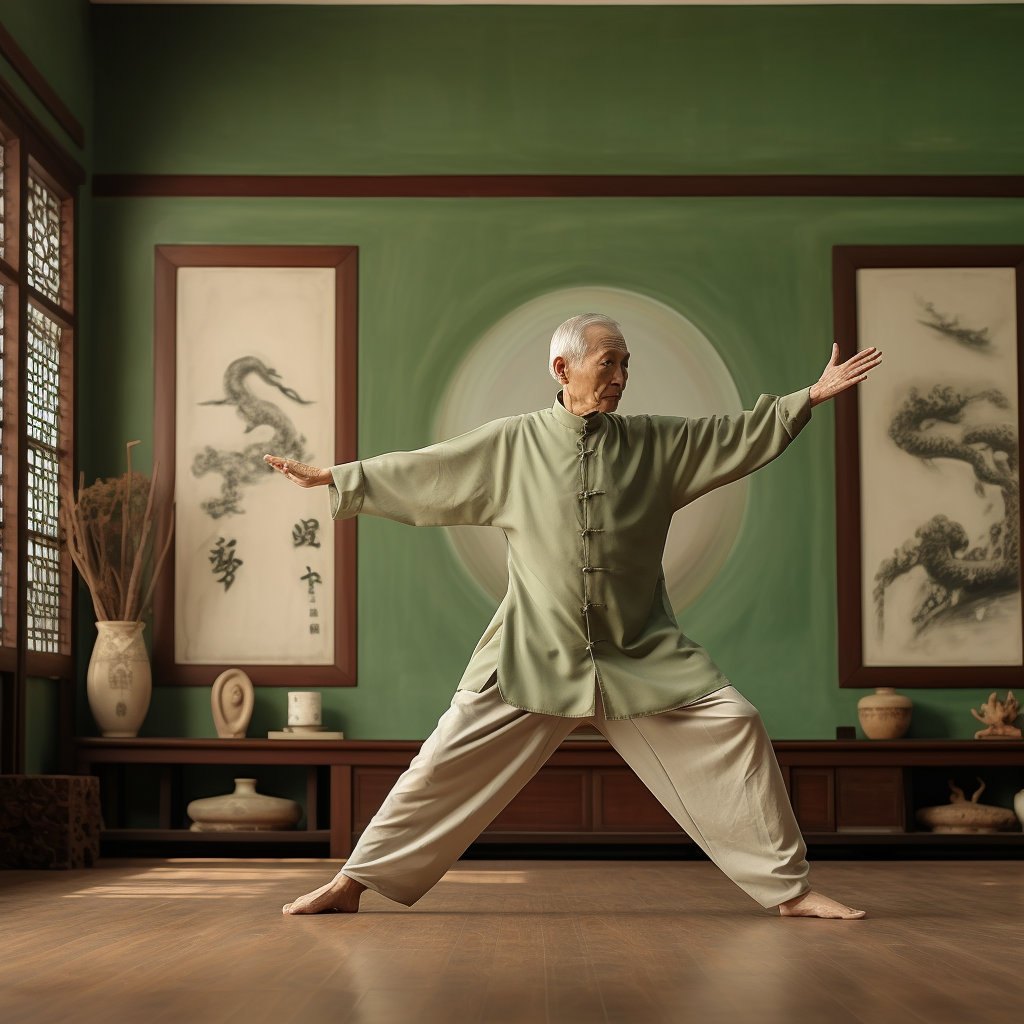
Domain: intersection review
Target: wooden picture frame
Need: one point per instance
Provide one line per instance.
(343, 260)
(860, 664)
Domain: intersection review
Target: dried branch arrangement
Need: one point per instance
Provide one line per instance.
(110, 532)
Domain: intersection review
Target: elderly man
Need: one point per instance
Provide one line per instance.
(586, 631)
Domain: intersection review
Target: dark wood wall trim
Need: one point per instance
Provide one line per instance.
(556, 186)
(34, 79)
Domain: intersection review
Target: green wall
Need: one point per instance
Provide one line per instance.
(427, 90)
(398, 90)
(56, 35)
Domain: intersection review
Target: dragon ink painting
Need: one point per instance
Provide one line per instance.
(242, 467)
(940, 477)
(255, 360)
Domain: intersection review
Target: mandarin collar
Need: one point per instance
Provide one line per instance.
(574, 422)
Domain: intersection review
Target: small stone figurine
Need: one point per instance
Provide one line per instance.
(232, 702)
(999, 716)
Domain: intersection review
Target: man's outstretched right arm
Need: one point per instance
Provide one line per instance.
(453, 483)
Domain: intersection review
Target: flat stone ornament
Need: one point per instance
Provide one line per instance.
(298, 732)
(232, 700)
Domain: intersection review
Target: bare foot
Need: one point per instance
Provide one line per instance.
(813, 904)
(340, 895)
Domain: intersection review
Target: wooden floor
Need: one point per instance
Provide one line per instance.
(517, 942)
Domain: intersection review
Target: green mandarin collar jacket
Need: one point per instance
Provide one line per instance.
(585, 503)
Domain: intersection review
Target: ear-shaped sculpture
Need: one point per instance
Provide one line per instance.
(232, 700)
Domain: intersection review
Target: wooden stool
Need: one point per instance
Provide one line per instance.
(49, 821)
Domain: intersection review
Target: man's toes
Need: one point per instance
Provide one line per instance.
(286, 909)
(846, 914)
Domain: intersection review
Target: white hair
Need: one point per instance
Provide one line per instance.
(570, 339)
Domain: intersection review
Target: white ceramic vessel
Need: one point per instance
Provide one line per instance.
(119, 682)
(1018, 806)
(304, 708)
(245, 810)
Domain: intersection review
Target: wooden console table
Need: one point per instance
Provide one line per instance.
(843, 791)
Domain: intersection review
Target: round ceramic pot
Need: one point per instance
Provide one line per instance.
(884, 714)
(245, 810)
(1018, 806)
(119, 682)
(966, 817)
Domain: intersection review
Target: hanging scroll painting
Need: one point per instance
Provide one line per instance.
(260, 575)
(932, 456)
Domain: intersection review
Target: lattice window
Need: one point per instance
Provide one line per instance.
(43, 596)
(43, 228)
(43, 474)
(38, 191)
(3, 204)
(42, 410)
(3, 429)
(43, 391)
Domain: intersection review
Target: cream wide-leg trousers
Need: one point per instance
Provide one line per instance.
(710, 764)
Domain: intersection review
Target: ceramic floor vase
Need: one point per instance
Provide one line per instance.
(119, 682)
(885, 714)
(245, 810)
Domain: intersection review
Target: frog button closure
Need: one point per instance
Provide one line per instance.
(586, 495)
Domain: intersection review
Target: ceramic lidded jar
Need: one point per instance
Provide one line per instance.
(119, 682)
(884, 714)
(245, 810)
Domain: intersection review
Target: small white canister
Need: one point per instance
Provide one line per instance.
(303, 708)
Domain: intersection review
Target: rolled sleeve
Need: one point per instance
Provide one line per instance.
(346, 490)
(795, 411)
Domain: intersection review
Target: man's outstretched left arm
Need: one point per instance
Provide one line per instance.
(706, 453)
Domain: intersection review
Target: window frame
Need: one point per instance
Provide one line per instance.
(29, 149)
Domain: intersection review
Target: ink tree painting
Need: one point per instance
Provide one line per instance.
(963, 579)
(937, 527)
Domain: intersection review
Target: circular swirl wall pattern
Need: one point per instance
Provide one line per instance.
(674, 371)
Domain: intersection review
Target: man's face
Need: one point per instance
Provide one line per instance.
(598, 382)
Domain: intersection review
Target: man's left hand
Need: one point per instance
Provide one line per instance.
(298, 472)
(838, 377)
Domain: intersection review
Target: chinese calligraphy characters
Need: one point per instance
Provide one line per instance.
(304, 533)
(313, 578)
(225, 562)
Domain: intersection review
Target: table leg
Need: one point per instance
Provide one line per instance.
(341, 810)
(171, 796)
(111, 778)
(311, 798)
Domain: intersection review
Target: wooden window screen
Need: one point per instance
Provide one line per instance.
(38, 182)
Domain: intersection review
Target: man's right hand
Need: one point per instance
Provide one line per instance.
(298, 472)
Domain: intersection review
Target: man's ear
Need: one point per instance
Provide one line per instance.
(559, 367)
